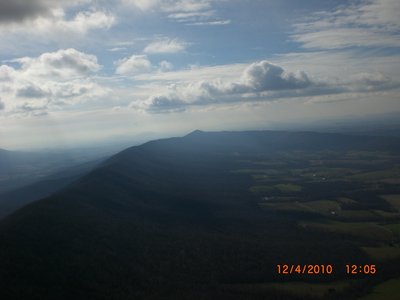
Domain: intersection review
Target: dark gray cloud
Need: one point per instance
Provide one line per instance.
(17, 11)
(21, 10)
(2, 105)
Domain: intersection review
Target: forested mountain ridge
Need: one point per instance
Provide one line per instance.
(170, 219)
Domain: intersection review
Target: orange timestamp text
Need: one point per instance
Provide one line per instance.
(309, 269)
(324, 269)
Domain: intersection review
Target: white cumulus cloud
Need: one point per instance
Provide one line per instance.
(133, 64)
(264, 76)
(49, 80)
(63, 63)
(256, 80)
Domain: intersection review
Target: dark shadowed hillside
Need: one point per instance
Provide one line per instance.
(10, 201)
(180, 219)
(19, 169)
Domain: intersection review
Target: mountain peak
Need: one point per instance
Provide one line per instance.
(195, 132)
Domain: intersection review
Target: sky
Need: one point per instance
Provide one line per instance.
(79, 72)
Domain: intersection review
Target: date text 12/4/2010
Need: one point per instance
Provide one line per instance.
(287, 269)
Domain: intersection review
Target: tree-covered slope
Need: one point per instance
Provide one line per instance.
(166, 220)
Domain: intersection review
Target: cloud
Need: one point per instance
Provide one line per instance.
(19, 10)
(31, 91)
(22, 10)
(65, 63)
(196, 72)
(165, 45)
(263, 76)
(371, 79)
(373, 82)
(85, 21)
(2, 105)
(256, 82)
(117, 49)
(6, 73)
(133, 64)
(57, 92)
(188, 5)
(191, 12)
(191, 16)
(171, 5)
(143, 5)
(195, 13)
(373, 23)
(211, 23)
(165, 66)
(74, 90)
(32, 109)
(52, 22)
(51, 80)
(58, 24)
(165, 104)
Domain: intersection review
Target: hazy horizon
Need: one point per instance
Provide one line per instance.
(375, 124)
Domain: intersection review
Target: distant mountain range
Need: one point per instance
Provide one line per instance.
(164, 220)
